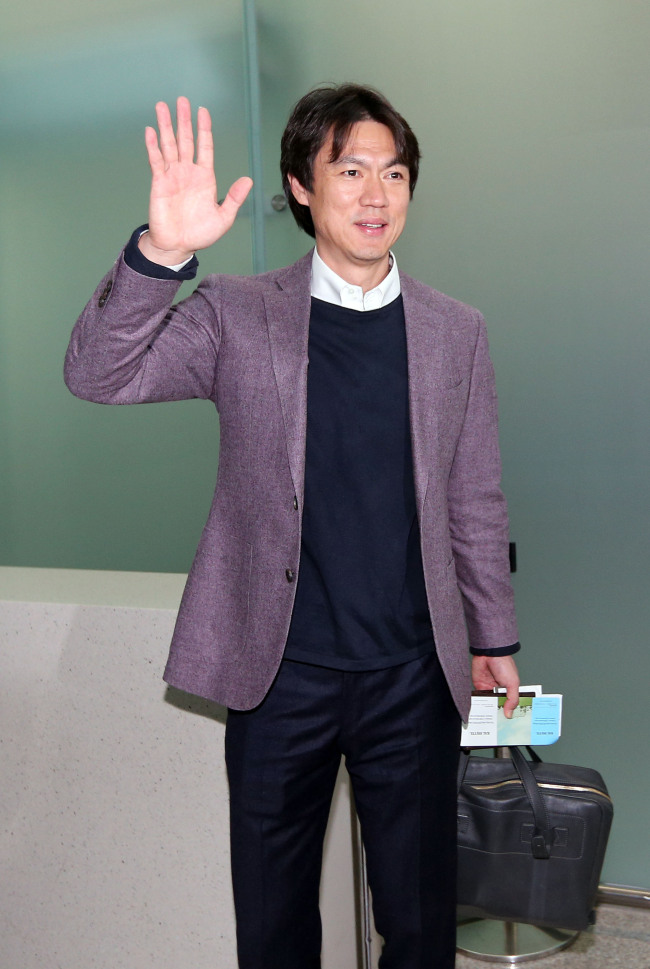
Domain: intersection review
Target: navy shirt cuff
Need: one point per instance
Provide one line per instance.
(140, 264)
(499, 651)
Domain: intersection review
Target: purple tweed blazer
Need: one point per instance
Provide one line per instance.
(242, 342)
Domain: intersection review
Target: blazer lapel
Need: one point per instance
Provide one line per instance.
(429, 367)
(428, 370)
(287, 317)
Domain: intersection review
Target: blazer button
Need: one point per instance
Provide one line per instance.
(105, 293)
(290, 574)
(295, 503)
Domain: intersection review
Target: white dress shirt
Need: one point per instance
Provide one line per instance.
(326, 285)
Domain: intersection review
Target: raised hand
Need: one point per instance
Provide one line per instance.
(184, 215)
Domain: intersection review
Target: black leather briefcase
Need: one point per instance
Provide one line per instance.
(531, 840)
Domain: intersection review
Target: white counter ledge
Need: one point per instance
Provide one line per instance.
(147, 590)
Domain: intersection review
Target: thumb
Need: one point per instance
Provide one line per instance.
(237, 194)
(511, 701)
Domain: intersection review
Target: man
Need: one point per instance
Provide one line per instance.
(357, 533)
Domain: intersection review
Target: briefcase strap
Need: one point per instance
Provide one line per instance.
(542, 836)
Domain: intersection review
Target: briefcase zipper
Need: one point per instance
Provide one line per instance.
(567, 787)
(546, 785)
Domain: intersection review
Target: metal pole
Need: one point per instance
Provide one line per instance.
(254, 124)
(365, 904)
(362, 893)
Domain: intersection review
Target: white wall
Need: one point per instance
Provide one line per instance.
(113, 797)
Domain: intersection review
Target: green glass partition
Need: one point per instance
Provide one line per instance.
(85, 486)
(533, 204)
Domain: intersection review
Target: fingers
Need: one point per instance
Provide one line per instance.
(179, 146)
(491, 671)
(168, 147)
(153, 151)
(184, 131)
(505, 673)
(204, 143)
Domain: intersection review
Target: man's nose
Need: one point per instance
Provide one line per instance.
(374, 191)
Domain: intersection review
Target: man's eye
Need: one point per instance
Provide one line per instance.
(351, 171)
(395, 175)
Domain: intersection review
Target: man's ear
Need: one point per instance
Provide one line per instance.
(300, 194)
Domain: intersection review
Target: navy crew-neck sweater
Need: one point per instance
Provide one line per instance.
(360, 599)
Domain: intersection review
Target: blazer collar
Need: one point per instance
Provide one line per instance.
(295, 280)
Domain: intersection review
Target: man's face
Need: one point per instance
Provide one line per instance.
(358, 203)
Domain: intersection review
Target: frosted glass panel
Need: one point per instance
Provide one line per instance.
(534, 205)
(84, 486)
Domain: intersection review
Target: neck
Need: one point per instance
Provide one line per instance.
(365, 276)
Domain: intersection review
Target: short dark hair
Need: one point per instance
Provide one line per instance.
(336, 108)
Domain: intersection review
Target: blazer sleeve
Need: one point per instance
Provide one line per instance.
(131, 345)
(478, 514)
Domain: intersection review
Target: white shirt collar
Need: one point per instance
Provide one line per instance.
(326, 285)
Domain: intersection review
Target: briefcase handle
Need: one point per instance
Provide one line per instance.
(542, 835)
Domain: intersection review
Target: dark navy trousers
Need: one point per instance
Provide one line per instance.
(399, 732)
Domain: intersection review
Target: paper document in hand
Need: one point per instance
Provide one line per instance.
(536, 720)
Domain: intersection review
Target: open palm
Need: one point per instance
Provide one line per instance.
(184, 214)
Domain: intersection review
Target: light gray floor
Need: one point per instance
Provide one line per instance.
(619, 940)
